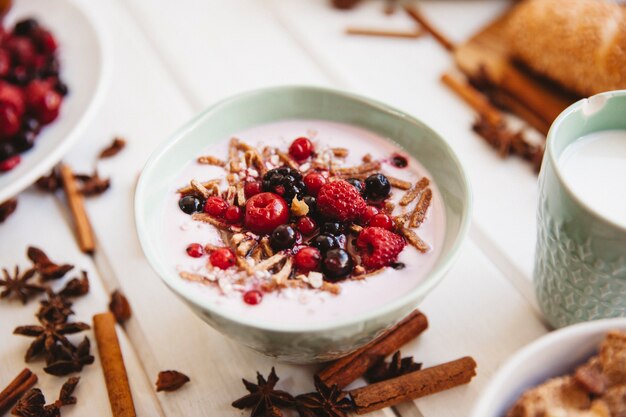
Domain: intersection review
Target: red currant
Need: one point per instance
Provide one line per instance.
(301, 149)
(233, 214)
(308, 259)
(9, 121)
(43, 101)
(265, 212)
(222, 258)
(314, 181)
(252, 188)
(307, 225)
(195, 250)
(381, 220)
(368, 213)
(215, 206)
(252, 297)
(9, 164)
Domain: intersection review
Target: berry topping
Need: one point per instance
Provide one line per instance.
(368, 213)
(215, 206)
(314, 181)
(399, 161)
(222, 258)
(252, 188)
(325, 242)
(25, 27)
(379, 247)
(233, 214)
(358, 184)
(377, 187)
(301, 149)
(190, 204)
(283, 237)
(340, 201)
(332, 228)
(312, 203)
(9, 164)
(265, 212)
(306, 225)
(307, 259)
(336, 264)
(43, 101)
(381, 220)
(252, 297)
(285, 182)
(195, 250)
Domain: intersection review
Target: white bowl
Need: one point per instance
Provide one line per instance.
(557, 353)
(84, 68)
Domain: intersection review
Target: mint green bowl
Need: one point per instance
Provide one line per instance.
(315, 342)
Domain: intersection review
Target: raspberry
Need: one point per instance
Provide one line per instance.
(339, 200)
(301, 149)
(314, 181)
(195, 250)
(379, 247)
(381, 220)
(307, 259)
(265, 212)
(215, 206)
(222, 258)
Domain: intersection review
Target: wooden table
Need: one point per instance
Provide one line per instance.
(172, 59)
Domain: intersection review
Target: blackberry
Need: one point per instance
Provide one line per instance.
(284, 181)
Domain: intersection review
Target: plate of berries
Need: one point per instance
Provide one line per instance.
(52, 69)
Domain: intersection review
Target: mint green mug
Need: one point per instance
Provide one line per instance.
(580, 259)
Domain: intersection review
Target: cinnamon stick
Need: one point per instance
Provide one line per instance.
(113, 367)
(386, 33)
(503, 99)
(474, 98)
(75, 201)
(413, 385)
(345, 370)
(16, 389)
(425, 24)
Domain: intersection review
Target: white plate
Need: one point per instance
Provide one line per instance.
(555, 354)
(82, 57)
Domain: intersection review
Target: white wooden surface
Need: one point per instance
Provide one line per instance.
(172, 59)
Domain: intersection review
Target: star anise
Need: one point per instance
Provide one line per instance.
(7, 208)
(55, 309)
(114, 148)
(65, 361)
(76, 287)
(47, 335)
(51, 182)
(120, 307)
(47, 269)
(19, 285)
(324, 402)
(263, 398)
(93, 185)
(32, 404)
(397, 367)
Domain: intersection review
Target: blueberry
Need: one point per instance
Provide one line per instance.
(312, 203)
(190, 204)
(7, 150)
(61, 88)
(377, 187)
(283, 237)
(24, 140)
(358, 184)
(332, 228)
(25, 27)
(325, 242)
(336, 264)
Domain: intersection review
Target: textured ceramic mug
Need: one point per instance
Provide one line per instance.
(580, 260)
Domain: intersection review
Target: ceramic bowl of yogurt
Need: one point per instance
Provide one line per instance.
(249, 275)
